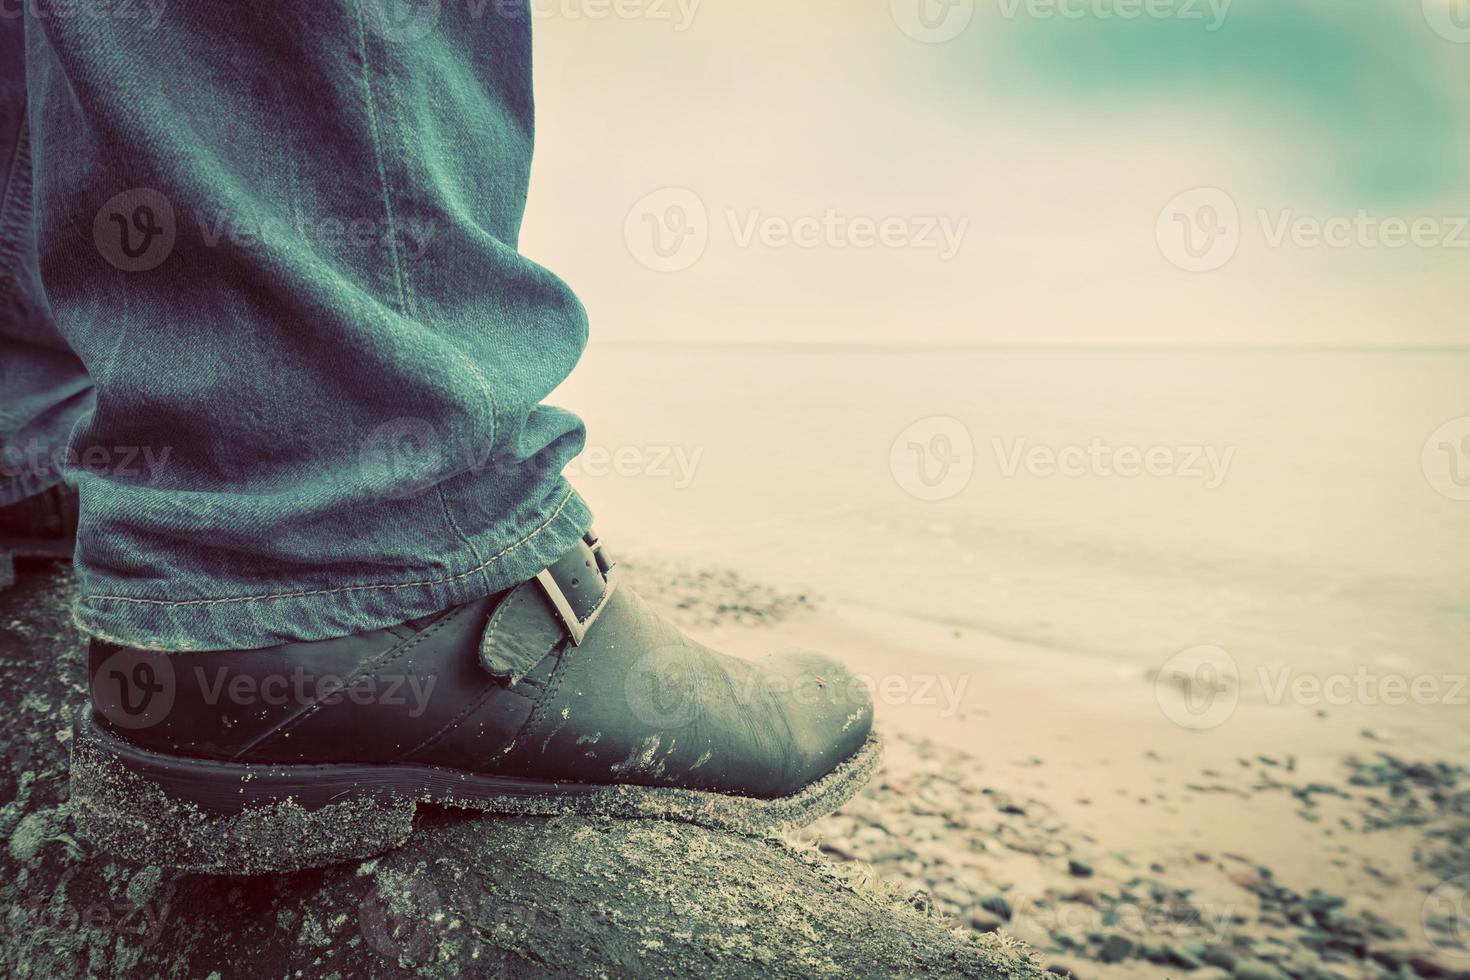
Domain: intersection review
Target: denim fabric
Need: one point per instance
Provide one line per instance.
(43, 387)
(281, 237)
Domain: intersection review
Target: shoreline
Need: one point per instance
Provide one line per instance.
(1051, 798)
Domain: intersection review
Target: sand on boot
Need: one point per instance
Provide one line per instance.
(465, 895)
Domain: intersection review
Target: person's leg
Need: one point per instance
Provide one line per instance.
(282, 239)
(43, 386)
(344, 574)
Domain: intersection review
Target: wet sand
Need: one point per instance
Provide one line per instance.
(1056, 802)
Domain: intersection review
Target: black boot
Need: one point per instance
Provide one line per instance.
(42, 526)
(566, 694)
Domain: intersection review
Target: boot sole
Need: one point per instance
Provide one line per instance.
(252, 818)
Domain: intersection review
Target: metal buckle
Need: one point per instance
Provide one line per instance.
(603, 564)
(577, 628)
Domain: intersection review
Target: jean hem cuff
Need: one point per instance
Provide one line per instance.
(286, 615)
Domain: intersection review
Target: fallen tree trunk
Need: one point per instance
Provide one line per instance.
(467, 895)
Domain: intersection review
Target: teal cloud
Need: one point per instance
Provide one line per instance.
(1370, 87)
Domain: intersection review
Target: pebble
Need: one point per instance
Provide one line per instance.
(926, 826)
(1181, 957)
(1220, 956)
(982, 921)
(1115, 949)
(997, 905)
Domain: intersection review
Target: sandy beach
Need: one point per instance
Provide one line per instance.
(1059, 804)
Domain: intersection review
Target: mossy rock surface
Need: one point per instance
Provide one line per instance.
(467, 896)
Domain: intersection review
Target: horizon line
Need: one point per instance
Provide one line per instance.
(882, 347)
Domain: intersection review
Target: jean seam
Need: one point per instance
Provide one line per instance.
(407, 302)
(13, 218)
(454, 526)
(375, 135)
(379, 586)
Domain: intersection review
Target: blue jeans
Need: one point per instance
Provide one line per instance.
(261, 302)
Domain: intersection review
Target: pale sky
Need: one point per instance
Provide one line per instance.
(836, 179)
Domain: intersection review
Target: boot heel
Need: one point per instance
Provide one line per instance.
(119, 806)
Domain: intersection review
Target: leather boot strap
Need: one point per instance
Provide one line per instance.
(560, 604)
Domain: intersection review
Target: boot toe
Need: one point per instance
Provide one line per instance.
(827, 708)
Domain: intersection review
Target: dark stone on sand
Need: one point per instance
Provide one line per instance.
(983, 921)
(1115, 949)
(1079, 869)
(1319, 901)
(1257, 970)
(1176, 955)
(1221, 956)
(1428, 967)
(997, 905)
(468, 895)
